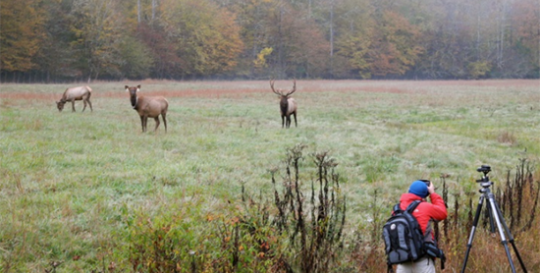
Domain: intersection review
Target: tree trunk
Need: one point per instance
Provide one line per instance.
(154, 5)
(332, 38)
(139, 11)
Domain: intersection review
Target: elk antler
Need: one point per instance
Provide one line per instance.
(272, 86)
(293, 89)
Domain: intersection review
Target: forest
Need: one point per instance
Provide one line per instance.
(86, 40)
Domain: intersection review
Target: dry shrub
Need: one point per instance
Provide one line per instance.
(301, 230)
(518, 201)
(506, 137)
(311, 225)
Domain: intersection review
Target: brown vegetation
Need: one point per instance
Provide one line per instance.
(302, 229)
(230, 88)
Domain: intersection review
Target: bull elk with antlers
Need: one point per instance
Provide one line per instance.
(287, 105)
(148, 107)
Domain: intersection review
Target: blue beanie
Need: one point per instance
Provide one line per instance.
(419, 188)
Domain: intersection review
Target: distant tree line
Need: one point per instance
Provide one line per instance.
(85, 40)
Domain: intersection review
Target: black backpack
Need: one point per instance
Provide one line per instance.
(403, 237)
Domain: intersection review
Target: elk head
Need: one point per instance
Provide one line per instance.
(60, 105)
(133, 94)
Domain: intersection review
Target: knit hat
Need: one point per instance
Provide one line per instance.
(419, 188)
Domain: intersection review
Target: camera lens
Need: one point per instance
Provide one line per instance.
(484, 169)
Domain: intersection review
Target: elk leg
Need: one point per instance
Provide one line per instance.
(295, 123)
(282, 121)
(143, 125)
(164, 120)
(157, 123)
(84, 107)
(73, 105)
(88, 100)
(288, 121)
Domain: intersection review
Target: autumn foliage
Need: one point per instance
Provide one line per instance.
(57, 40)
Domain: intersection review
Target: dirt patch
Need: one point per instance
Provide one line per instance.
(28, 96)
(239, 89)
(165, 93)
(201, 93)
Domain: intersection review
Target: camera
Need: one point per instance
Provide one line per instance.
(484, 169)
(426, 181)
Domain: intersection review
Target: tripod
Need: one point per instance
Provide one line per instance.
(494, 214)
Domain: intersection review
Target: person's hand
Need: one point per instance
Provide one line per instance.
(431, 188)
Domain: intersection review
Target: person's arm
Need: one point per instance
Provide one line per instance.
(438, 209)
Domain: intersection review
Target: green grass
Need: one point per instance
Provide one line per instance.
(70, 181)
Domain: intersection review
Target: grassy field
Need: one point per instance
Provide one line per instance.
(71, 182)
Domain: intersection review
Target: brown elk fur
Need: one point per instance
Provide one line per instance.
(75, 93)
(287, 105)
(148, 107)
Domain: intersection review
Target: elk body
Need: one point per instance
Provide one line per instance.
(287, 105)
(148, 107)
(75, 93)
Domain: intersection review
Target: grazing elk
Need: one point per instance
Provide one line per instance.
(148, 107)
(287, 105)
(75, 93)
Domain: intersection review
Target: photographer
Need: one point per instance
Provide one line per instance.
(424, 213)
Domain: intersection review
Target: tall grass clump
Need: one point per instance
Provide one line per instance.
(313, 225)
(519, 198)
(298, 228)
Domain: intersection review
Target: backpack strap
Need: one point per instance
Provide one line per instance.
(412, 206)
(396, 209)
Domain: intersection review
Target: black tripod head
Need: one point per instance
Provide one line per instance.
(484, 181)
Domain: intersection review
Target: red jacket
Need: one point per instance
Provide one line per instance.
(425, 211)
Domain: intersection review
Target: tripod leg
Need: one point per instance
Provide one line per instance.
(496, 215)
(510, 237)
(490, 218)
(473, 230)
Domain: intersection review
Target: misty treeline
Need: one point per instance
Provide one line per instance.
(84, 40)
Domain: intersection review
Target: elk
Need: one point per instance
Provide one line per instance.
(287, 105)
(75, 93)
(148, 107)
